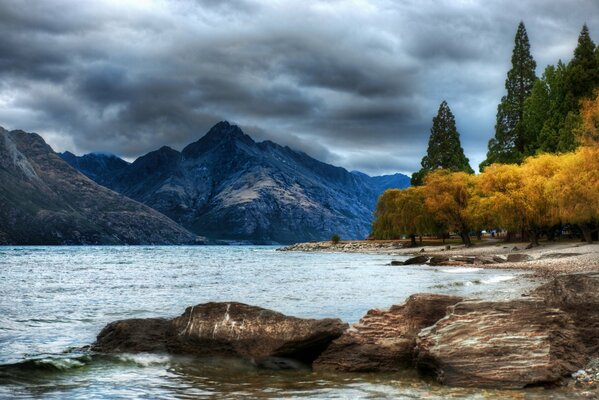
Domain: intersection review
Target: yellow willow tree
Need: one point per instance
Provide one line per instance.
(414, 217)
(447, 196)
(540, 209)
(402, 212)
(575, 189)
(386, 215)
(501, 196)
(515, 197)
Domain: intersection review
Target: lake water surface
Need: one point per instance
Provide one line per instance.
(53, 300)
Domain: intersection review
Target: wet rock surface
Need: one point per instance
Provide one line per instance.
(384, 340)
(133, 336)
(236, 329)
(505, 344)
(416, 260)
(224, 330)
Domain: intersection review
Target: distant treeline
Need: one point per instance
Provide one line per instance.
(542, 166)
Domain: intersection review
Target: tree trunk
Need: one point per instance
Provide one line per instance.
(479, 235)
(534, 237)
(587, 233)
(466, 239)
(412, 240)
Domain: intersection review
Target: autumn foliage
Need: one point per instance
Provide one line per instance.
(543, 192)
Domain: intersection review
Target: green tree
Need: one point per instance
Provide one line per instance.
(568, 86)
(509, 143)
(583, 70)
(444, 147)
(548, 137)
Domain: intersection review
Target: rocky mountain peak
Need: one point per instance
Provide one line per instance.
(221, 133)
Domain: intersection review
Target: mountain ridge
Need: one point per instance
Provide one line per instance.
(43, 200)
(227, 186)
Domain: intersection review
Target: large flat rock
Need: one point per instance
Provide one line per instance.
(501, 344)
(384, 340)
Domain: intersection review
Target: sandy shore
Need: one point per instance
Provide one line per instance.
(548, 259)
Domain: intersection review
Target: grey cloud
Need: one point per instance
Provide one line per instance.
(355, 84)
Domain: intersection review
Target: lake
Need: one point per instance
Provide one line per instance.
(54, 300)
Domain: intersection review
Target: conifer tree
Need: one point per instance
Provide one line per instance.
(583, 69)
(568, 86)
(509, 143)
(444, 147)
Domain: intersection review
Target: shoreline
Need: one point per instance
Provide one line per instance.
(546, 260)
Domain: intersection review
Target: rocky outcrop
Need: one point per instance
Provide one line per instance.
(224, 330)
(384, 340)
(509, 344)
(577, 295)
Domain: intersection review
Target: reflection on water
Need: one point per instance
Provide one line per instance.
(53, 300)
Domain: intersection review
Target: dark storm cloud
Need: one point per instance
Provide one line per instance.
(355, 83)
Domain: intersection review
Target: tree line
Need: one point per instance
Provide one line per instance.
(542, 165)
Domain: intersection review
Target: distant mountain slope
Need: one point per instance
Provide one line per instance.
(45, 201)
(384, 182)
(97, 166)
(226, 186)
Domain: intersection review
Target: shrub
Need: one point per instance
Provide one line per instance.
(335, 239)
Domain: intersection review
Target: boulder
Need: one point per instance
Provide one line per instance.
(500, 344)
(133, 336)
(438, 260)
(464, 259)
(499, 259)
(396, 262)
(384, 340)
(225, 330)
(416, 260)
(240, 330)
(519, 257)
(578, 295)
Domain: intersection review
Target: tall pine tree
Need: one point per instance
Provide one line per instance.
(509, 143)
(568, 86)
(444, 148)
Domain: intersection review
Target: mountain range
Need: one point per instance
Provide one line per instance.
(226, 186)
(45, 201)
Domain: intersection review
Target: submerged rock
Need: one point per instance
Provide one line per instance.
(384, 340)
(224, 330)
(500, 344)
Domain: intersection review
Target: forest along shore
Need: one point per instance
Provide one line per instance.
(550, 258)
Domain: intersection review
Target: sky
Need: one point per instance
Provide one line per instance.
(352, 83)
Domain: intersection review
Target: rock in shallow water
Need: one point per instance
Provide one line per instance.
(500, 344)
(384, 340)
(224, 330)
(133, 336)
(236, 329)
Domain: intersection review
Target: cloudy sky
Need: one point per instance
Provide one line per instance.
(353, 83)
